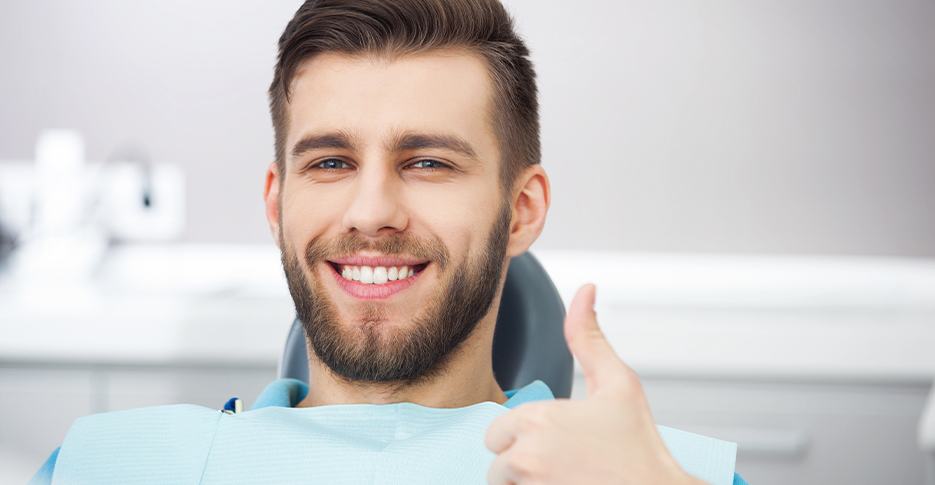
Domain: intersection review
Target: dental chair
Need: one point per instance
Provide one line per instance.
(528, 343)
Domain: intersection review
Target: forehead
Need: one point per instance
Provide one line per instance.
(442, 91)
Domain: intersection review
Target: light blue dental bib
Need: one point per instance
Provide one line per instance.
(359, 443)
(355, 443)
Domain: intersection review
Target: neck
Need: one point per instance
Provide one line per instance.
(466, 378)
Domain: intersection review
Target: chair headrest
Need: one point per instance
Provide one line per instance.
(528, 344)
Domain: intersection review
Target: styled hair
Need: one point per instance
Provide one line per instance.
(399, 27)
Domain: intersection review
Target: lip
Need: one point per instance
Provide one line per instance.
(364, 260)
(367, 291)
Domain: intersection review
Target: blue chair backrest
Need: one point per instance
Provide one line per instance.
(528, 344)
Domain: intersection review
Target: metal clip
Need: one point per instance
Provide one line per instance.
(233, 406)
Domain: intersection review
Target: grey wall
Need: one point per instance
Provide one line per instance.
(745, 126)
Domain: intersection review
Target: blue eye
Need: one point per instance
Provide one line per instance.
(439, 165)
(330, 164)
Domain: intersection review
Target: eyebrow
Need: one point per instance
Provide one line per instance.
(336, 139)
(401, 142)
(414, 141)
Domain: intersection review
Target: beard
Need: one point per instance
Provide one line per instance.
(370, 350)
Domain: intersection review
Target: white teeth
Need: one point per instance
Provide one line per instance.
(379, 275)
(376, 274)
(366, 274)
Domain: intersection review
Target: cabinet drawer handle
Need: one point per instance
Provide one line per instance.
(761, 442)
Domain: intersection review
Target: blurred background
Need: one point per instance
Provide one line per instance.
(751, 184)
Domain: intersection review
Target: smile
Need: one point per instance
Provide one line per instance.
(376, 282)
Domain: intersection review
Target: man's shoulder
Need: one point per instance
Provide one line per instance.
(128, 432)
(150, 438)
(166, 420)
(162, 418)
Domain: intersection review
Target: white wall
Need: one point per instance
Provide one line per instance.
(742, 126)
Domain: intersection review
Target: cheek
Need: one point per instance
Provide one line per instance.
(461, 219)
(300, 219)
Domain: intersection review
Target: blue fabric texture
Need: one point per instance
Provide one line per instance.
(282, 393)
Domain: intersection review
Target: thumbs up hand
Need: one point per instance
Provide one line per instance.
(610, 437)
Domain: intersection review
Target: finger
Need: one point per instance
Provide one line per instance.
(587, 342)
(501, 433)
(501, 471)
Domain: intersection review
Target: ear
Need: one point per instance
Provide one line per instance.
(531, 200)
(271, 198)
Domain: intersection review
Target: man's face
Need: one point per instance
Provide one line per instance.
(391, 168)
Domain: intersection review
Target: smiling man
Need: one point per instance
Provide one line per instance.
(394, 223)
(406, 176)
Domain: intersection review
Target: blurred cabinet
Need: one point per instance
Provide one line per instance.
(801, 432)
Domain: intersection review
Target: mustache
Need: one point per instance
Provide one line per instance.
(399, 244)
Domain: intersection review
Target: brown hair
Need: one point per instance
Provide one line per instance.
(399, 27)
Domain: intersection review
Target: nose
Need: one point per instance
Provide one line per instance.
(375, 207)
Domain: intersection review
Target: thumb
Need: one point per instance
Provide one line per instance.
(587, 342)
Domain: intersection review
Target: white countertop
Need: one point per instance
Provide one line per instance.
(761, 316)
(154, 304)
(680, 315)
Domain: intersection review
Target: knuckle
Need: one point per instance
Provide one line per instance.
(628, 384)
(490, 440)
(527, 423)
(630, 380)
(535, 417)
(525, 464)
(497, 426)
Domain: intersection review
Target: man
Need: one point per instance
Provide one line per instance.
(406, 175)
